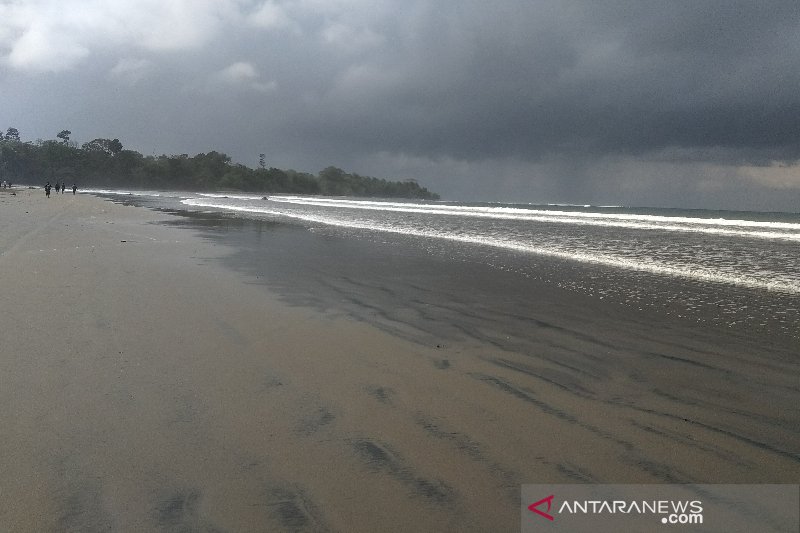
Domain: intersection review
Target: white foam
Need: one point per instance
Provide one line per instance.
(649, 265)
(232, 196)
(719, 226)
(133, 192)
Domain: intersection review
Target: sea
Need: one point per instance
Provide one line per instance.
(727, 269)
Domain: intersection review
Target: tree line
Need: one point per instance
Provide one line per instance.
(106, 163)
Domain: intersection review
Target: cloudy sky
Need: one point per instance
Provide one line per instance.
(669, 103)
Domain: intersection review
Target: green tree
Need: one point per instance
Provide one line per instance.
(12, 134)
(105, 162)
(106, 146)
(334, 182)
(115, 146)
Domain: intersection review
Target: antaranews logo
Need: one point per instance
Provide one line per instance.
(534, 507)
(680, 508)
(667, 511)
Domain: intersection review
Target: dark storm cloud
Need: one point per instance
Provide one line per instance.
(598, 77)
(545, 92)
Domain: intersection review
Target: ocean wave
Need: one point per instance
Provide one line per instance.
(719, 226)
(649, 265)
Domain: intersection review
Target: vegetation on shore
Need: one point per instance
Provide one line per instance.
(105, 163)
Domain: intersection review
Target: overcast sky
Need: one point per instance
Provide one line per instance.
(667, 103)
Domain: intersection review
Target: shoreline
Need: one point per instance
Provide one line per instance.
(151, 378)
(763, 310)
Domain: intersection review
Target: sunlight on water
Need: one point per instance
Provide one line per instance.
(733, 269)
(771, 230)
(656, 244)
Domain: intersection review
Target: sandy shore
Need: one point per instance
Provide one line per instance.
(146, 387)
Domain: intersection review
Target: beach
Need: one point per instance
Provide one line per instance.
(167, 372)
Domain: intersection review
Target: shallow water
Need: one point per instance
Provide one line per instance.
(733, 269)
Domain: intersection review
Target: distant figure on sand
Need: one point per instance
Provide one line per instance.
(74, 188)
(58, 187)
(47, 189)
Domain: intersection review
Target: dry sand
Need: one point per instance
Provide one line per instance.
(144, 387)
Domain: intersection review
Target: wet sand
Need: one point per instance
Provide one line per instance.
(156, 378)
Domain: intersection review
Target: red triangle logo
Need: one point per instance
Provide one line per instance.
(533, 507)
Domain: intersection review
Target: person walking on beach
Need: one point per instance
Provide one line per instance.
(47, 189)
(74, 188)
